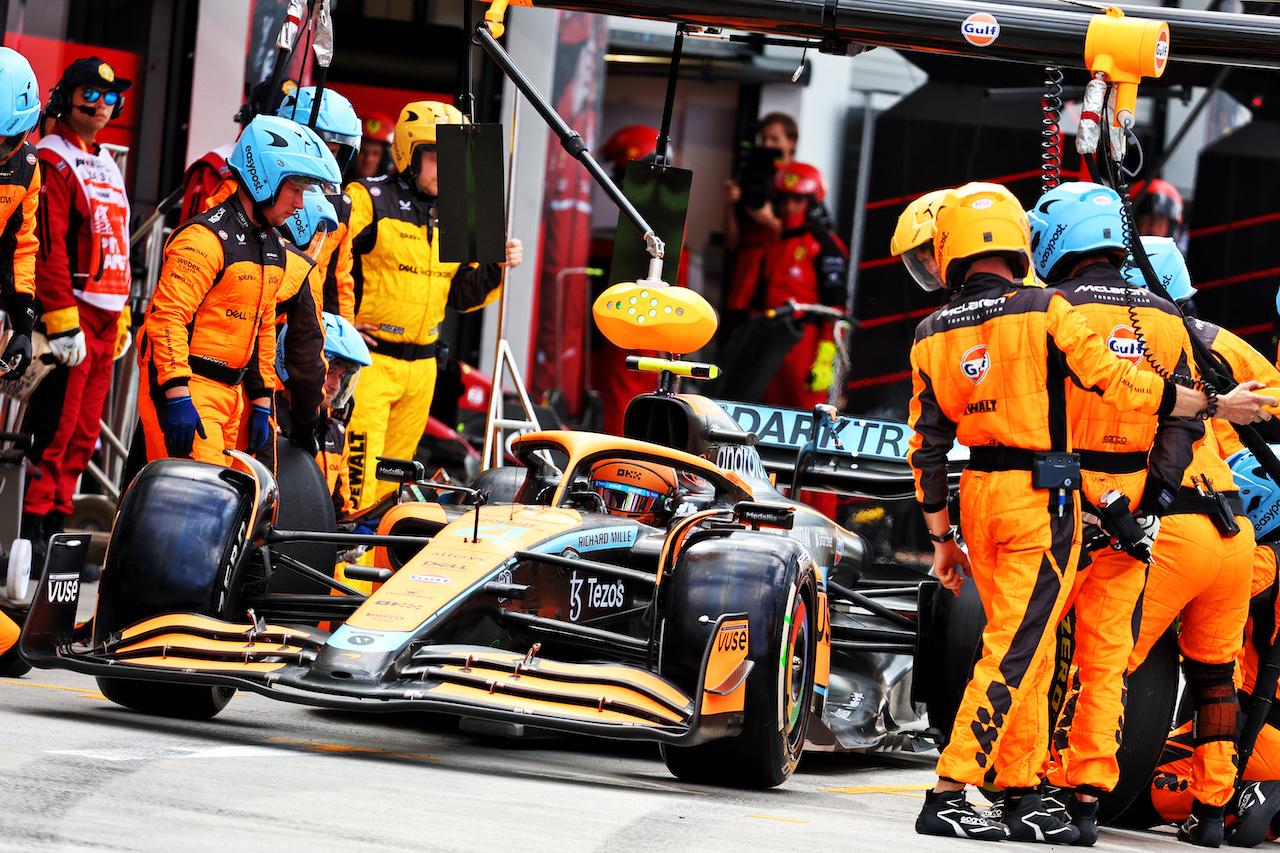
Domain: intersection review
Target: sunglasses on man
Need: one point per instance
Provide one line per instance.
(91, 96)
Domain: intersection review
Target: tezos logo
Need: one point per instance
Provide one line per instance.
(975, 363)
(980, 29)
(430, 579)
(1124, 343)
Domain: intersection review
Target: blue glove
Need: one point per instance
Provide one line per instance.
(181, 423)
(259, 427)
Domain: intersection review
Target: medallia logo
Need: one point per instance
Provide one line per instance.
(975, 363)
(980, 29)
(1124, 343)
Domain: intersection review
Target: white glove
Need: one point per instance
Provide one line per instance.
(1150, 525)
(69, 347)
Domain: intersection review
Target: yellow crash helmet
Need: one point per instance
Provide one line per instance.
(417, 126)
(914, 234)
(978, 220)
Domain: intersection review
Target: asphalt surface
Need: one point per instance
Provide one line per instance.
(79, 773)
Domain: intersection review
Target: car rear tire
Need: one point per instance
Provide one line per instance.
(177, 546)
(772, 579)
(1148, 717)
(952, 648)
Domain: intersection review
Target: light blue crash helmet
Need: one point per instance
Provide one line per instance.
(1260, 496)
(19, 101)
(1169, 265)
(345, 350)
(272, 150)
(337, 122)
(1073, 219)
(317, 215)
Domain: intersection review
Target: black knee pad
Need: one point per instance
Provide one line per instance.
(1215, 705)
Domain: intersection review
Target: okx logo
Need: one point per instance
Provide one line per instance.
(1125, 344)
(975, 363)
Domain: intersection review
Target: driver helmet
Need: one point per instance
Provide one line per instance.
(633, 142)
(337, 122)
(913, 239)
(643, 491)
(1163, 199)
(273, 150)
(346, 353)
(979, 220)
(416, 128)
(1168, 264)
(307, 226)
(19, 101)
(1074, 220)
(1259, 494)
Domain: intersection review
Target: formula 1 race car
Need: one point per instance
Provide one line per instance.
(699, 618)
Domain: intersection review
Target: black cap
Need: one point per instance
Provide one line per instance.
(94, 72)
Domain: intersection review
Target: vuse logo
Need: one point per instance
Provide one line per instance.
(1124, 343)
(975, 363)
(980, 29)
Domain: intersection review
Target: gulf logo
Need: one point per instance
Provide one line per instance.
(1124, 343)
(1161, 51)
(980, 29)
(430, 579)
(975, 363)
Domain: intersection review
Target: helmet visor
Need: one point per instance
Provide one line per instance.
(920, 270)
(340, 381)
(309, 182)
(622, 497)
(10, 144)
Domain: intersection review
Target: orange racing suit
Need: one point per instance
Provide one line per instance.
(1203, 576)
(989, 369)
(402, 287)
(1245, 363)
(300, 350)
(1113, 447)
(1170, 792)
(210, 322)
(332, 287)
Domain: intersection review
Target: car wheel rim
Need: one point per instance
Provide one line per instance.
(796, 660)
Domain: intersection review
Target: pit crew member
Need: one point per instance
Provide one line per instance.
(82, 279)
(211, 321)
(402, 289)
(1077, 242)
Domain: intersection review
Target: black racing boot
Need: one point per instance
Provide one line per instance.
(995, 811)
(1204, 827)
(949, 814)
(1056, 800)
(1254, 808)
(1027, 819)
(1084, 817)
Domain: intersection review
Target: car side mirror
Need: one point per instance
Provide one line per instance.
(400, 470)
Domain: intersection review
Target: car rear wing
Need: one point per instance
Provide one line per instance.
(864, 457)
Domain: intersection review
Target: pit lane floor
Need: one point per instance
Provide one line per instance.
(79, 773)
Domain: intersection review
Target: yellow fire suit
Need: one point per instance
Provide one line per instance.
(402, 288)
